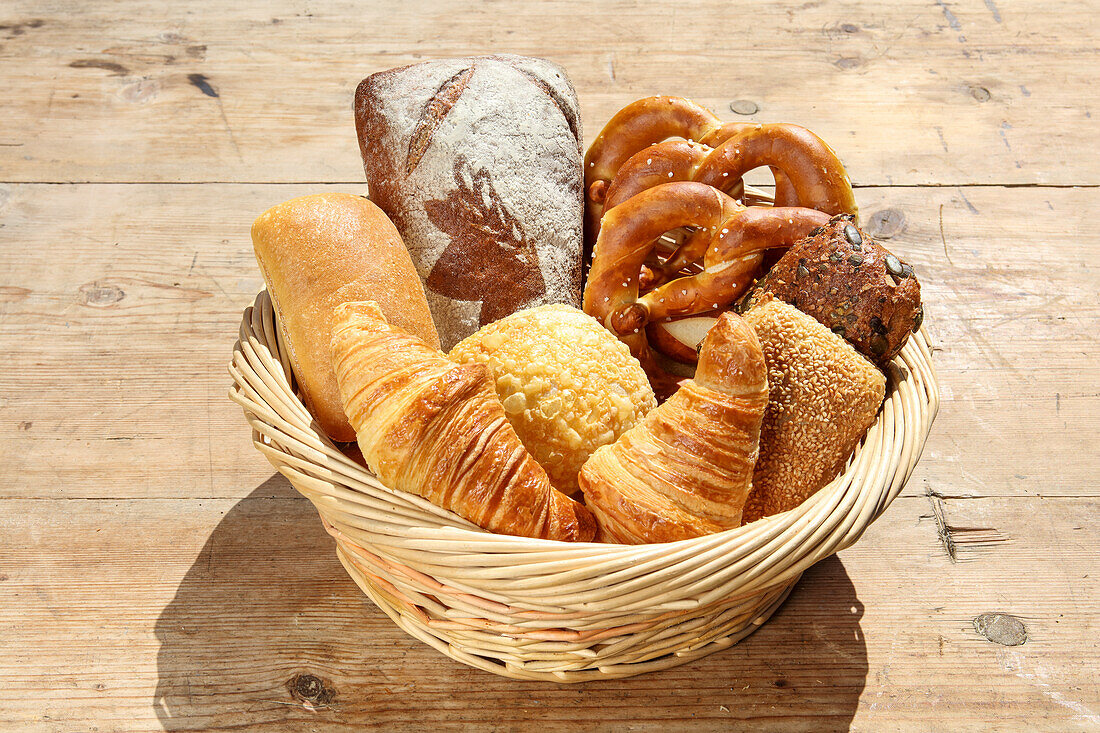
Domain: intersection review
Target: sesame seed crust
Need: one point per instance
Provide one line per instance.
(568, 386)
(823, 395)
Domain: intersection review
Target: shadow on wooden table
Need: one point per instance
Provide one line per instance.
(266, 631)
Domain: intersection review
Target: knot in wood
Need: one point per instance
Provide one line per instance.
(100, 295)
(311, 689)
(980, 93)
(1001, 628)
(744, 107)
(886, 223)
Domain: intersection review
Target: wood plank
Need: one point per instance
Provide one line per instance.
(908, 92)
(197, 614)
(154, 574)
(118, 330)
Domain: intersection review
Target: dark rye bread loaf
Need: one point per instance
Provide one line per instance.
(478, 163)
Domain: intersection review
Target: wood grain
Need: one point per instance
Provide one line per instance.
(882, 637)
(914, 92)
(154, 574)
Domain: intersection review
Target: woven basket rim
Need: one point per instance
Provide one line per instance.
(463, 530)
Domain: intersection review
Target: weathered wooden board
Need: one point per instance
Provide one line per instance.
(120, 305)
(153, 573)
(199, 614)
(909, 92)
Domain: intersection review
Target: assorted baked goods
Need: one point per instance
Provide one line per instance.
(477, 163)
(317, 252)
(567, 385)
(822, 397)
(687, 469)
(435, 428)
(629, 288)
(854, 286)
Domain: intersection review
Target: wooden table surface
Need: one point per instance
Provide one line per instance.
(155, 573)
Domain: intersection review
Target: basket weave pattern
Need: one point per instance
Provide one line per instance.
(545, 610)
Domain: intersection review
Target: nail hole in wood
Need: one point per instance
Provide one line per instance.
(886, 223)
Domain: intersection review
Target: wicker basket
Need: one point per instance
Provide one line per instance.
(546, 610)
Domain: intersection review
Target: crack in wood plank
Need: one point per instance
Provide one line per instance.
(952, 536)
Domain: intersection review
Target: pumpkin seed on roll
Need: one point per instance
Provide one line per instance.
(851, 284)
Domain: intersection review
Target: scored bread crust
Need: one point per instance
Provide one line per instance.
(478, 163)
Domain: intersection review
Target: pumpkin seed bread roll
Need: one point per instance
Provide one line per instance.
(822, 397)
(849, 282)
(567, 385)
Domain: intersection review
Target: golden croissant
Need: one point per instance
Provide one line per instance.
(686, 469)
(434, 428)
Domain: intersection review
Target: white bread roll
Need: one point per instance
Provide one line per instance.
(317, 252)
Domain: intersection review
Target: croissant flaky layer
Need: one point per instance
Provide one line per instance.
(686, 469)
(436, 429)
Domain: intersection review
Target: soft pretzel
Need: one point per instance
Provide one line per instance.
(636, 126)
(633, 153)
(729, 239)
(807, 172)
